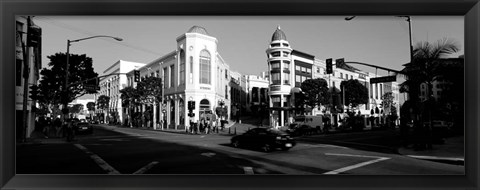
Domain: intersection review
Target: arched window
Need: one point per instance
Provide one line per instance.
(205, 65)
(204, 106)
(182, 67)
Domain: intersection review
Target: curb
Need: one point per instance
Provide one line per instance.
(447, 160)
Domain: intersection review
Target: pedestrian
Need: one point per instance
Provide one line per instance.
(58, 127)
(210, 123)
(70, 130)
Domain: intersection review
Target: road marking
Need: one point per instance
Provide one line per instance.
(436, 158)
(208, 154)
(104, 165)
(337, 171)
(248, 170)
(145, 168)
(324, 146)
(112, 140)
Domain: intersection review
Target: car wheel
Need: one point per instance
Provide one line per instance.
(266, 148)
(236, 143)
(286, 148)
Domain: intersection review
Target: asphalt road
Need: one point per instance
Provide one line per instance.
(132, 151)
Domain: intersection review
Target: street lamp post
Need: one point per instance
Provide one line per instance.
(65, 86)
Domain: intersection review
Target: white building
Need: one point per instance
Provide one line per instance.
(111, 85)
(30, 55)
(255, 86)
(193, 71)
(289, 68)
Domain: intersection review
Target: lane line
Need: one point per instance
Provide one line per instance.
(248, 170)
(344, 169)
(100, 162)
(146, 168)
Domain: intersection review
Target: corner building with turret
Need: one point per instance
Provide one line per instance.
(289, 67)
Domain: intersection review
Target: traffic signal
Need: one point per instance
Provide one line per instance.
(33, 92)
(136, 76)
(340, 63)
(191, 105)
(329, 66)
(34, 34)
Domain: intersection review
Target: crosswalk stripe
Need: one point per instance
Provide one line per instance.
(104, 165)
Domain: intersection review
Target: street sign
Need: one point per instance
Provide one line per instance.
(383, 79)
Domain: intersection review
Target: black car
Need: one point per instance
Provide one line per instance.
(299, 130)
(83, 128)
(267, 139)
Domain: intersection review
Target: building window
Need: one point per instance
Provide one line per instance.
(276, 101)
(341, 75)
(276, 45)
(18, 77)
(191, 69)
(275, 78)
(226, 74)
(205, 75)
(172, 76)
(275, 65)
(286, 78)
(182, 67)
(285, 54)
(165, 76)
(318, 69)
(285, 45)
(275, 54)
(226, 92)
(286, 65)
(333, 84)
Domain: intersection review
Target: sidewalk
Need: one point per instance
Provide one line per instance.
(452, 151)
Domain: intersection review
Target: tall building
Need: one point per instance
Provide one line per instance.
(27, 64)
(115, 80)
(193, 71)
(289, 67)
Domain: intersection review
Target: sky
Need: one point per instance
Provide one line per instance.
(243, 40)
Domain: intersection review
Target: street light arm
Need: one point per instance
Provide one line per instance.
(99, 36)
(349, 18)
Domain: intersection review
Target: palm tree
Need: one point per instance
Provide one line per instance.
(425, 69)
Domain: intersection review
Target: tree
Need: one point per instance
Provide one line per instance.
(424, 68)
(387, 101)
(355, 93)
(51, 85)
(150, 86)
(75, 109)
(389, 106)
(315, 92)
(91, 108)
(103, 104)
(130, 97)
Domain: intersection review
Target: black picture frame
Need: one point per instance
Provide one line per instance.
(470, 9)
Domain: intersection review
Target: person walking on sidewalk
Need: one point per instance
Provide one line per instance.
(69, 130)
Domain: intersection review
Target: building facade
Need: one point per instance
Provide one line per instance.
(115, 80)
(194, 71)
(27, 64)
(289, 67)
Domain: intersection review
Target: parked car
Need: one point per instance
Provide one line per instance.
(83, 128)
(267, 139)
(295, 129)
(313, 121)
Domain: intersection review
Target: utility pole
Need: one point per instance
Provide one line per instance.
(26, 73)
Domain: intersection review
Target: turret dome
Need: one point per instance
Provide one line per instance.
(198, 29)
(279, 35)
